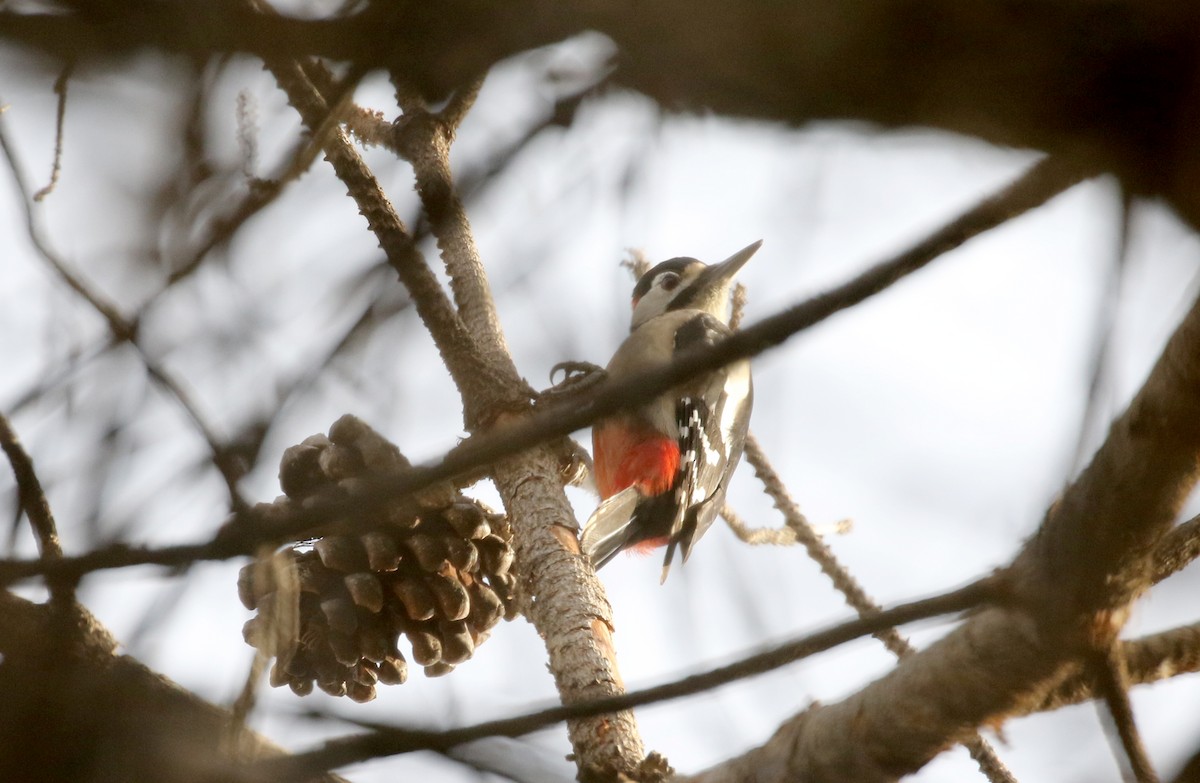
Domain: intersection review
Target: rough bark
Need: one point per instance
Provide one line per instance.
(569, 608)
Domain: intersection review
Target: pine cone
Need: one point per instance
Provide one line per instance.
(441, 578)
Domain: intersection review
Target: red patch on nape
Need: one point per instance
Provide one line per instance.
(628, 454)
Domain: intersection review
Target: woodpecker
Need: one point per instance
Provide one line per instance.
(662, 469)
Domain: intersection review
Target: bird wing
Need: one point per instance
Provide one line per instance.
(704, 451)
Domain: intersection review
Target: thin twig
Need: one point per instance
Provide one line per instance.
(29, 491)
(1113, 682)
(757, 536)
(1177, 549)
(124, 330)
(981, 751)
(390, 740)
(33, 501)
(60, 89)
(1104, 327)
(454, 342)
(265, 191)
(423, 139)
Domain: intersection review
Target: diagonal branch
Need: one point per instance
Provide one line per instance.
(125, 330)
(981, 751)
(453, 341)
(1148, 659)
(568, 606)
(389, 740)
(29, 492)
(249, 531)
(114, 710)
(1092, 555)
(1113, 681)
(34, 503)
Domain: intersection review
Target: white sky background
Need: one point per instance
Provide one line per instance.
(941, 416)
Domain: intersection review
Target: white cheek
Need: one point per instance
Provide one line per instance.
(653, 303)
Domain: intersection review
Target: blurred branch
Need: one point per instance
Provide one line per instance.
(1190, 773)
(845, 583)
(248, 532)
(114, 710)
(29, 491)
(124, 330)
(1104, 324)
(1147, 660)
(1113, 681)
(1178, 548)
(32, 499)
(60, 89)
(1073, 581)
(390, 740)
(1051, 76)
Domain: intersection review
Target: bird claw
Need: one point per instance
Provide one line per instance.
(573, 371)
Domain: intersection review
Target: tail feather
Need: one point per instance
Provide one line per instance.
(607, 530)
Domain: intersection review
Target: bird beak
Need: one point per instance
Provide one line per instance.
(720, 274)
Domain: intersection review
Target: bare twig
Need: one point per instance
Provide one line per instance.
(33, 501)
(981, 751)
(454, 343)
(125, 330)
(264, 192)
(60, 89)
(1177, 549)
(773, 536)
(424, 139)
(1113, 681)
(29, 491)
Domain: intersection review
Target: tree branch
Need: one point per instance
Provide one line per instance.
(1147, 660)
(568, 607)
(389, 740)
(1090, 558)
(845, 583)
(1113, 681)
(1114, 84)
(74, 710)
(249, 530)
(125, 330)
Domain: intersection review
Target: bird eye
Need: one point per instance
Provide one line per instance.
(668, 281)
